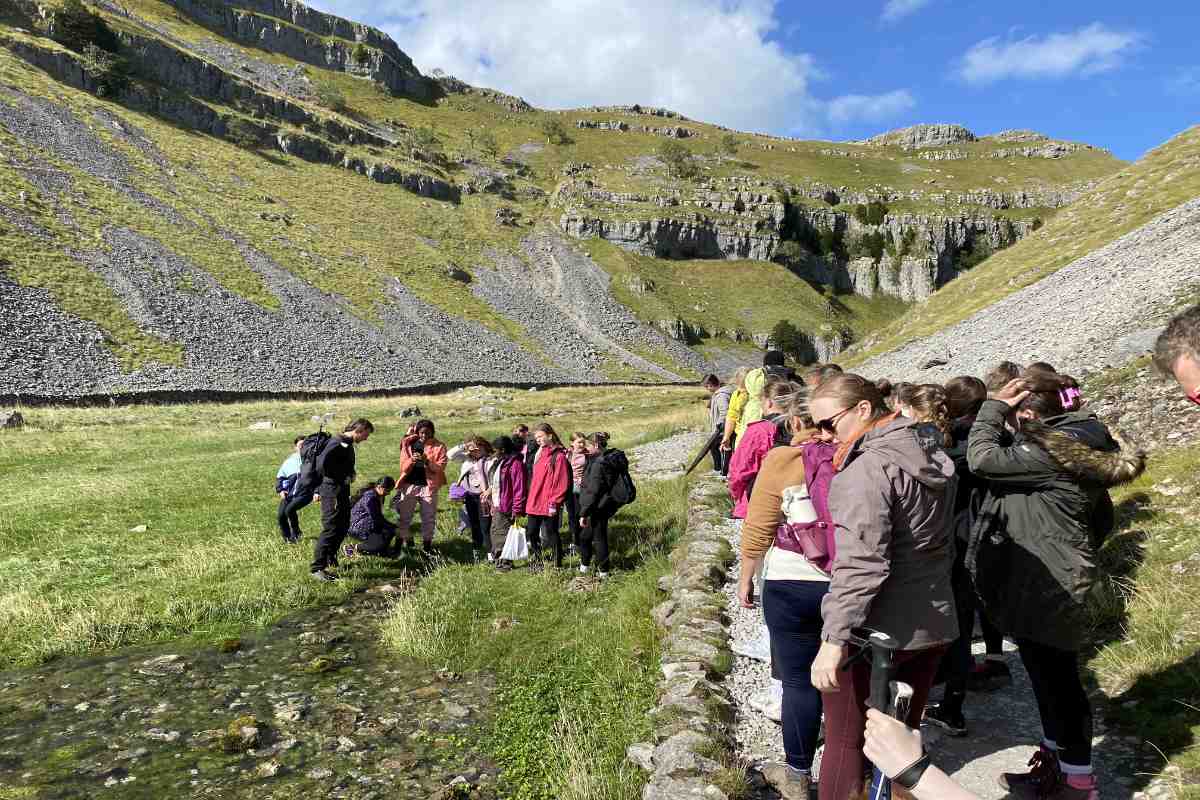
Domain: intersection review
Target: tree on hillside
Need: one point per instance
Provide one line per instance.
(76, 26)
(680, 161)
(730, 145)
(555, 131)
(483, 142)
(787, 337)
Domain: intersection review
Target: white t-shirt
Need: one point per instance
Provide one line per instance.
(784, 565)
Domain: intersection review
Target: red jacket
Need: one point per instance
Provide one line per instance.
(550, 482)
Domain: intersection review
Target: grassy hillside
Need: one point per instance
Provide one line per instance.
(1166, 177)
(199, 195)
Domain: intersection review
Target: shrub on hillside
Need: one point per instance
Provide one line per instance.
(787, 337)
(830, 243)
(680, 161)
(245, 133)
(789, 253)
(730, 145)
(361, 54)
(869, 245)
(110, 70)
(555, 132)
(331, 97)
(872, 213)
(483, 142)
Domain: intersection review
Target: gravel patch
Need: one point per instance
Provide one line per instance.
(1077, 318)
(666, 458)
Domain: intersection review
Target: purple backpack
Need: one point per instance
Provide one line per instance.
(814, 540)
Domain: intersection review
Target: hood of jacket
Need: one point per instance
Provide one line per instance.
(1081, 444)
(899, 443)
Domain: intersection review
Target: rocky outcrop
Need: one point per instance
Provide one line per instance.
(323, 40)
(1048, 150)
(921, 136)
(649, 111)
(1018, 135)
(452, 85)
(699, 237)
(671, 131)
(692, 719)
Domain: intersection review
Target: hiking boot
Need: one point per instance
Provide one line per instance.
(989, 676)
(1041, 781)
(323, 576)
(947, 718)
(1076, 787)
(792, 784)
(504, 566)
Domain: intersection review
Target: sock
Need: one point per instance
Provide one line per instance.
(1076, 771)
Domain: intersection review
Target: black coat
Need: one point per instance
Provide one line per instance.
(600, 472)
(336, 462)
(1046, 510)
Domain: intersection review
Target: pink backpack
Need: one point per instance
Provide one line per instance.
(814, 540)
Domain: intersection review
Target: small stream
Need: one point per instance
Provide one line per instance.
(310, 707)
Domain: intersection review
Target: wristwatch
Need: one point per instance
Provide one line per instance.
(910, 776)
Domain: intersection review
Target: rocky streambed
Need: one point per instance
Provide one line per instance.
(310, 707)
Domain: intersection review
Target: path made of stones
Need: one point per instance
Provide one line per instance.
(1003, 725)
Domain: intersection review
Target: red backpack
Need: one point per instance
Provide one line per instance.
(814, 540)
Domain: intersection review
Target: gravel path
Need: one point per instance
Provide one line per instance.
(1083, 318)
(1002, 724)
(667, 458)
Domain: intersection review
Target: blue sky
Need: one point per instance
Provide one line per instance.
(1121, 76)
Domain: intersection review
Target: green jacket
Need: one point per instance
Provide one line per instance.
(1047, 509)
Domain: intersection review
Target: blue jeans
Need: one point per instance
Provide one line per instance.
(793, 613)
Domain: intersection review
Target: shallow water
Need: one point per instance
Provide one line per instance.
(335, 715)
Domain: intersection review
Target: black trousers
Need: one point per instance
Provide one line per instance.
(719, 458)
(335, 523)
(538, 528)
(1062, 702)
(572, 504)
(958, 661)
(289, 521)
(481, 525)
(594, 539)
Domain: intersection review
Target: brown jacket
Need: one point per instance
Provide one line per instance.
(893, 504)
(783, 467)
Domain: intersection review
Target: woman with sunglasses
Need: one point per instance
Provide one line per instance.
(1033, 555)
(892, 503)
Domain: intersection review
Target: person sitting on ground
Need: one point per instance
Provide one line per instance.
(1001, 375)
(718, 409)
(1177, 352)
(507, 483)
(596, 505)
(335, 465)
(733, 417)
(816, 374)
(897, 750)
(292, 497)
(963, 397)
(770, 431)
(367, 522)
(892, 502)
(791, 491)
(548, 489)
(422, 473)
(1046, 511)
(476, 456)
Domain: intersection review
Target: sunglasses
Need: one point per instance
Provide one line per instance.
(829, 425)
(1194, 395)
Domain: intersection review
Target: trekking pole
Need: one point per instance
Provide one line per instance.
(890, 696)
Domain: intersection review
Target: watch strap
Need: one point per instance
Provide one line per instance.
(908, 777)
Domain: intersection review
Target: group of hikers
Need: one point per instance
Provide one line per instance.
(910, 509)
(528, 474)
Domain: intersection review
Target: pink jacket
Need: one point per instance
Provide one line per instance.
(550, 482)
(435, 461)
(752, 448)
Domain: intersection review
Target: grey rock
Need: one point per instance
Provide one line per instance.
(164, 665)
(641, 754)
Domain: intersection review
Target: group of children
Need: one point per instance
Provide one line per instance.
(528, 474)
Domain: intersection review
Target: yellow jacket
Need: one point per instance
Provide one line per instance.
(734, 415)
(756, 381)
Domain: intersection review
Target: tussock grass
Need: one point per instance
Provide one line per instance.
(577, 671)
(77, 579)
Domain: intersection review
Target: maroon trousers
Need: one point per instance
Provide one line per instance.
(846, 718)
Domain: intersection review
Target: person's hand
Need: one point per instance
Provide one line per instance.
(551, 510)
(825, 667)
(283, 495)
(891, 745)
(725, 446)
(1013, 392)
(418, 457)
(583, 522)
(746, 589)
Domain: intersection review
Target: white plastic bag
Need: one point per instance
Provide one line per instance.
(515, 546)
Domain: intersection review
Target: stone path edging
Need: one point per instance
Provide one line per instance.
(693, 719)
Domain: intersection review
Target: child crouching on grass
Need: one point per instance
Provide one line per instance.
(367, 522)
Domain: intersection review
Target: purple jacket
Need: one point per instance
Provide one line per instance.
(508, 485)
(367, 515)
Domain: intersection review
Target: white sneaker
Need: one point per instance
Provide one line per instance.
(601, 575)
(583, 570)
(491, 556)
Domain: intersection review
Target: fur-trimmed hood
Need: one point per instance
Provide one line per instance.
(1082, 446)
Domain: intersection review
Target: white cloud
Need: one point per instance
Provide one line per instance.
(1087, 51)
(713, 60)
(869, 108)
(897, 9)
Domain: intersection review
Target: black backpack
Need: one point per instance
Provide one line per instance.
(623, 492)
(310, 450)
